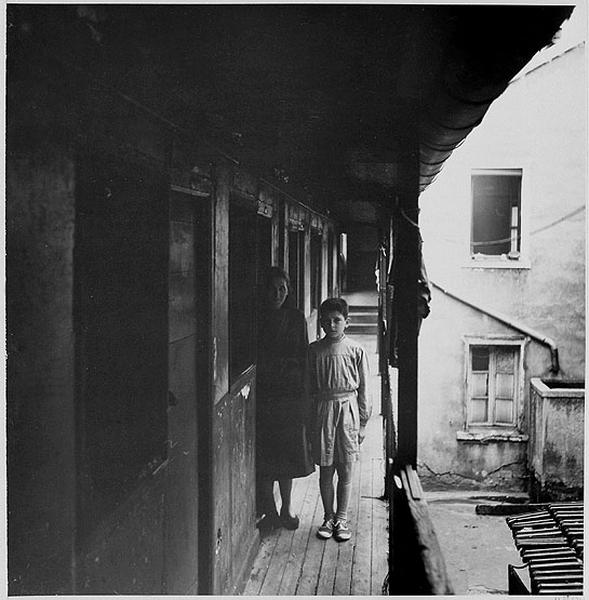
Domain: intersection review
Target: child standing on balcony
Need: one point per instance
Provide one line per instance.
(338, 373)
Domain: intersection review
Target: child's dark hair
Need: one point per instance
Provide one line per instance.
(334, 305)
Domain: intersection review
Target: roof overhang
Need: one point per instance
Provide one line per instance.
(326, 100)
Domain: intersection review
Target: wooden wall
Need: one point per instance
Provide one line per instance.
(40, 368)
(236, 538)
(131, 454)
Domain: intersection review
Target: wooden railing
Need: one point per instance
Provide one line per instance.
(416, 563)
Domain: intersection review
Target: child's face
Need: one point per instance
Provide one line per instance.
(277, 292)
(334, 324)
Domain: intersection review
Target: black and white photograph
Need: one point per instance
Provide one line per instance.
(295, 298)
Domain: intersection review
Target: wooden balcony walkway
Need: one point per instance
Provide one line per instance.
(298, 563)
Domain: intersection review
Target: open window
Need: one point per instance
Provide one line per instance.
(496, 213)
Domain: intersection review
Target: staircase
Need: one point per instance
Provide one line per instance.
(363, 320)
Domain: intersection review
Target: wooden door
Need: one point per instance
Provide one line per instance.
(189, 273)
(120, 274)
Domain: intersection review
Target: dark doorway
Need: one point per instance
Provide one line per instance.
(242, 287)
(263, 249)
(296, 266)
(121, 322)
(188, 376)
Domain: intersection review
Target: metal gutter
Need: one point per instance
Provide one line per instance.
(539, 337)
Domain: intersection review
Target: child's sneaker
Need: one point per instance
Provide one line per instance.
(341, 531)
(326, 530)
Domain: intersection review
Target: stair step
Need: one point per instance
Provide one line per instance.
(357, 329)
(363, 318)
(362, 308)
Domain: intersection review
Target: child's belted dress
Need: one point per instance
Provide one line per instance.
(337, 377)
(282, 446)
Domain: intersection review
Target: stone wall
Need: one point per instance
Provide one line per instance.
(556, 439)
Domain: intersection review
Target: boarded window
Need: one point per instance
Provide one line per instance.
(492, 385)
(496, 212)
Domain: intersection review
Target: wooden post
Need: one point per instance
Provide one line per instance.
(408, 256)
(406, 271)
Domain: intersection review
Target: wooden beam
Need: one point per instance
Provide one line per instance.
(430, 555)
(407, 273)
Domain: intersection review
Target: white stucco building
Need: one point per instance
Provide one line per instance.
(504, 242)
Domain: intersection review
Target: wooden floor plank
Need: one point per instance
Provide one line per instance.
(328, 568)
(307, 585)
(298, 563)
(284, 543)
(362, 562)
(330, 564)
(343, 576)
(271, 583)
(306, 513)
(261, 566)
(264, 558)
(379, 529)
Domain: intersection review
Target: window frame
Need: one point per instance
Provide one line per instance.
(491, 341)
(316, 267)
(297, 264)
(501, 261)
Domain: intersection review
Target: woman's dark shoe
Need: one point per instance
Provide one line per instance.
(269, 522)
(289, 522)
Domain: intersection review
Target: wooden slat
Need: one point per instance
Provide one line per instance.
(305, 579)
(343, 576)
(362, 563)
(548, 552)
(282, 551)
(379, 529)
(414, 485)
(292, 569)
(555, 562)
(261, 565)
(517, 526)
(535, 516)
(307, 584)
(298, 563)
(431, 554)
(329, 564)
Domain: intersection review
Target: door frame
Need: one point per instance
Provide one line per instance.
(203, 272)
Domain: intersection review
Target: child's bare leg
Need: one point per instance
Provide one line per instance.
(285, 493)
(344, 489)
(326, 489)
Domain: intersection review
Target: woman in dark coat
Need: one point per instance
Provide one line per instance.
(282, 448)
